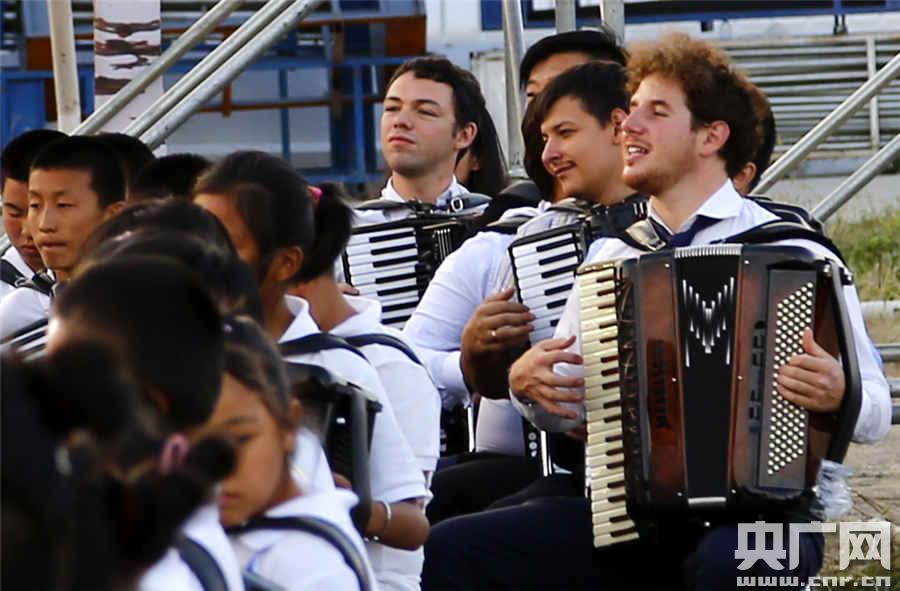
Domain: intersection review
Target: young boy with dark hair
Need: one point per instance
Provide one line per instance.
(21, 260)
(74, 184)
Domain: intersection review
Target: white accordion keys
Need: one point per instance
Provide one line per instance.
(605, 459)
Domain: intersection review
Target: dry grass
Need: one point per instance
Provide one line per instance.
(872, 250)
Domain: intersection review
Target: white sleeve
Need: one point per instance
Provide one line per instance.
(569, 324)
(435, 328)
(874, 420)
(393, 471)
(417, 407)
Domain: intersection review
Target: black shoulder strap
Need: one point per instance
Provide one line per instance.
(316, 342)
(202, 564)
(40, 282)
(9, 274)
(788, 212)
(508, 225)
(361, 340)
(317, 527)
(778, 230)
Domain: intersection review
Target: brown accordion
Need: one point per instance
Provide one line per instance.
(680, 352)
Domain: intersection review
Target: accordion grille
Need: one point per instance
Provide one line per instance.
(605, 454)
(787, 435)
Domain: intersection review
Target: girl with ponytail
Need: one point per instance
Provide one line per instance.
(257, 412)
(270, 213)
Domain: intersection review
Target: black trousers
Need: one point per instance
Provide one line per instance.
(475, 481)
(546, 543)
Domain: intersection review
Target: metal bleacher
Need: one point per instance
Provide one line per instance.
(807, 78)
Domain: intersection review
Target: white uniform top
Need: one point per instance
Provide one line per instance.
(416, 402)
(15, 259)
(298, 560)
(21, 307)
(173, 573)
(736, 214)
(393, 471)
(460, 285)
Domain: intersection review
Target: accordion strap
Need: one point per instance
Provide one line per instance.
(386, 340)
(788, 212)
(321, 529)
(9, 274)
(508, 225)
(316, 342)
(202, 564)
(778, 230)
(454, 204)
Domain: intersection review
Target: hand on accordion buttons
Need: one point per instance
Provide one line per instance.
(496, 325)
(813, 380)
(532, 376)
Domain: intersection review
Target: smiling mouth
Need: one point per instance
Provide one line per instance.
(561, 170)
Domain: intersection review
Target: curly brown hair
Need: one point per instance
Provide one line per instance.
(714, 90)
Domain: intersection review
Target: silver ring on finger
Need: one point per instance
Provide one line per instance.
(494, 334)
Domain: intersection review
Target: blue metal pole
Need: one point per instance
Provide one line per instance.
(285, 115)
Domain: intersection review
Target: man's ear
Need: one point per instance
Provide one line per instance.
(112, 209)
(743, 178)
(714, 137)
(286, 263)
(466, 135)
(616, 118)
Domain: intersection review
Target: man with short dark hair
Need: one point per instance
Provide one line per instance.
(428, 121)
(21, 260)
(74, 184)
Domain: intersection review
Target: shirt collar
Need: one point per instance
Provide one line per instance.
(303, 323)
(455, 189)
(321, 504)
(366, 319)
(15, 259)
(725, 203)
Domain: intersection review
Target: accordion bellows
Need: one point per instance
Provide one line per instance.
(681, 353)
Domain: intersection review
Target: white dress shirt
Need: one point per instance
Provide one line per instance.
(296, 560)
(394, 474)
(460, 285)
(173, 573)
(735, 215)
(416, 402)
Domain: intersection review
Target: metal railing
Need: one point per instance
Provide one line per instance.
(244, 36)
(809, 142)
(195, 34)
(514, 43)
(171, 119)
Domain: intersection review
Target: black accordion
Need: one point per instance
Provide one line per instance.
(343, 416)
(393, 262)
(680, 352)
(544, 263)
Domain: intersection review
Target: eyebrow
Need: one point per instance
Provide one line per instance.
(653, 103)
(560, 124)
(416, 102)
(52, 194)
(239, 421)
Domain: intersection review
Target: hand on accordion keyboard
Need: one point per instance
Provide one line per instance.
(496, 325)
(532, 376)
(347, 289)
(814, 380)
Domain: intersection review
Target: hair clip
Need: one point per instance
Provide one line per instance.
(315, 193)
(174, 451)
